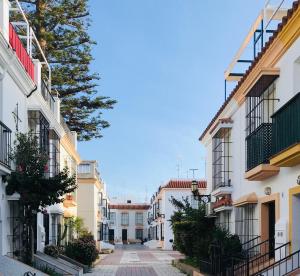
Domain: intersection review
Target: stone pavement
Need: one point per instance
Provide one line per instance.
(138, 260)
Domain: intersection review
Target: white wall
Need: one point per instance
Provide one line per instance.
(287, 85)
(132, 225)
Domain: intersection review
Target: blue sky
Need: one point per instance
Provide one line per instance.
(163, 60)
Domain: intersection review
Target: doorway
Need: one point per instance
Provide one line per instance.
(268, 220)
(124, 236)
(295, 221)
(111, 235)
(271, 210)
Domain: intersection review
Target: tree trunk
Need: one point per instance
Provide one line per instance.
(40, 27)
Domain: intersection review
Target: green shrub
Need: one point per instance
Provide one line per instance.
(52, 250)
(83, 250)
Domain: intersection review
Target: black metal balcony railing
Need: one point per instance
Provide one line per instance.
(258, 146)
(5, 145)
(286, 125)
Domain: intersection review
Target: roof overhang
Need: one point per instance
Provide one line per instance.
(264, 78)
(246, 199)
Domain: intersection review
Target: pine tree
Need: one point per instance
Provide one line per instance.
(61, 27)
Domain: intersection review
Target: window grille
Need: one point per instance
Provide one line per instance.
(221, 164)
(223, 220)
(139, 218)
(124, 219)
(112, 218)
(246, 223)
(15, 236)
(54, 153)
(259, 110)
(139, 234)
(39, 127)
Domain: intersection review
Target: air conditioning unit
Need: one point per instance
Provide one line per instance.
(209, 212)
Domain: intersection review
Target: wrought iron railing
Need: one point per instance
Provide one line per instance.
(283, 266)
(250, 243)
(5, 145)
(262, 259)
(258, 146)
(286, 125)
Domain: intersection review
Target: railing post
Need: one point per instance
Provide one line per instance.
(247, 265)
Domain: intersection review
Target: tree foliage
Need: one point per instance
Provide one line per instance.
(29, 180)
(61, 27)
(32, 182)
(195, 234)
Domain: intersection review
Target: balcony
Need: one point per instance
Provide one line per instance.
(258, 152)
(21, 52)
(5, 145)
(286, 134)
(222, 204)
(46, 93)
(222, 188)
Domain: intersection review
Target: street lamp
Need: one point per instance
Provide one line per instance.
(197, 196)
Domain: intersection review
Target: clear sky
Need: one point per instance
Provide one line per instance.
(163, 60)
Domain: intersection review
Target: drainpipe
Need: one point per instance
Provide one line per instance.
(32, 91)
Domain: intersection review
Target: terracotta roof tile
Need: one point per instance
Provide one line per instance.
(183, 184)
(267, 45)
(129, 206)
(222, 121)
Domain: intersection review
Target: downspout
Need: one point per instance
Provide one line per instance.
(32, 91)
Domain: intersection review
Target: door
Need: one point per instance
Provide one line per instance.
(46, 226)
(111, 233)
(271, 210)
(124, 235)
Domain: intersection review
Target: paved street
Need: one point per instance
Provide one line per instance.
(136, 260)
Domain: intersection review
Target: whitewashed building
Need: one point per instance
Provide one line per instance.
(128, 222)
(27, 103)
(161, 209)
(252, 143)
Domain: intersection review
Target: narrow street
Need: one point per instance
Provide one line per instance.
(136, 260)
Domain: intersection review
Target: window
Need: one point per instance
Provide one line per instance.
(39, 127)
(112, 218)
(246, 222)
(16, 234)
(162, 232)
(259, 109)
(54, 151)
(99, 232)
(84, 168)
(124, 219)
(139, 218)
(56, 228)
(223, 220)
(221, 164)
(139, 234)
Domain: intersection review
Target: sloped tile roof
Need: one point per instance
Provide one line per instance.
(129, 206)
(253, 64)
(183, 184)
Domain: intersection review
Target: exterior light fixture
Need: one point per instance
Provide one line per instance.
(298, 180)
(268, 190)
(197, 196)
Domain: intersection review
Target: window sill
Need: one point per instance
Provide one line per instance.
(261, 172)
